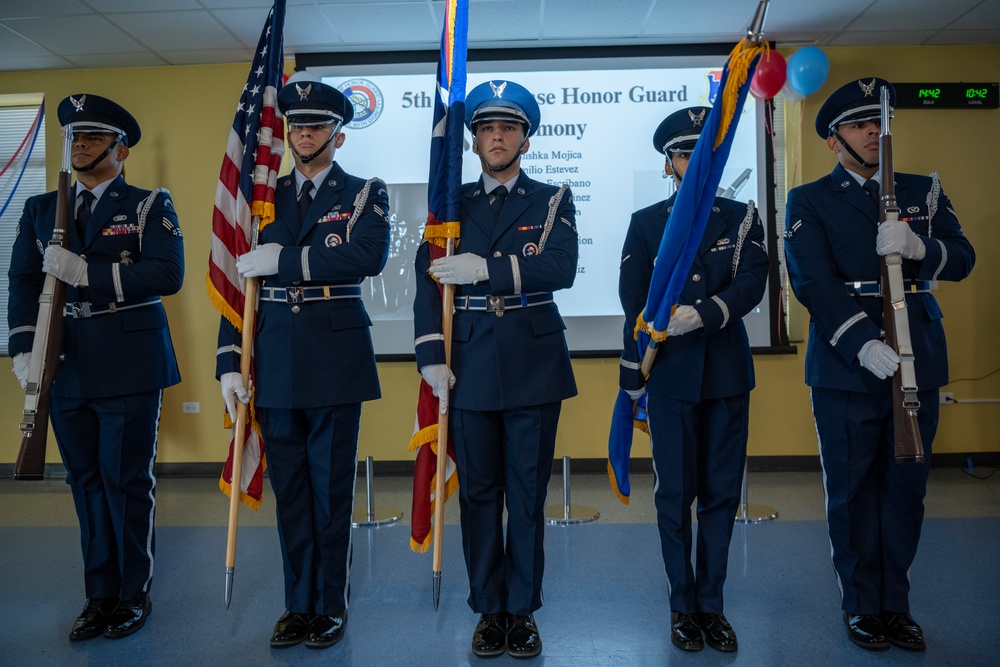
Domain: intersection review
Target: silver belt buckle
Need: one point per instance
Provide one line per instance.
(495, 304)
(294, 295)
(81, 309)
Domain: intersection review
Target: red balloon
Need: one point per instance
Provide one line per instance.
(769, 77)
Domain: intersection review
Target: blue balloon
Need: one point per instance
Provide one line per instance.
(807, 70)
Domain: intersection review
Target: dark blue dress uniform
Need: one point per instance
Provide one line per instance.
(117, 359)
(874, 506)
(699, 385)
(314, 365)
(512, 371)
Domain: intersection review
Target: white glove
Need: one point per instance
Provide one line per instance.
(65, 265)
(896, 236)
(684, 320)
(22, 362)
(233, 390)
(636, 394)
(440, 379)
(879, 358)
(460, 269)
(260, 262)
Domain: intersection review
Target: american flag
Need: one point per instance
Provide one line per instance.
(244, 203)
(444, 204)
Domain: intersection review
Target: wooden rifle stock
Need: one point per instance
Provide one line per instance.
(905, 405)
(46, 349)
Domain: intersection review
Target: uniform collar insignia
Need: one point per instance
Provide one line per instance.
(867, 88)
(498, 90)
(303, 92)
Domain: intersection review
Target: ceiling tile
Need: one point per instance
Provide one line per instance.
(160, 30)
(32, 63)
(39, 8)
(881, 38)
(99, 60)
(384, 23)
(76, 35)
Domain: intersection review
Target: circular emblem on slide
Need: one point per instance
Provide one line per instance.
(367, 101)
(529, 249)
(332, 240)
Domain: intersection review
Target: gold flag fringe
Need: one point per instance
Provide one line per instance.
(614, 485)
(740, 59)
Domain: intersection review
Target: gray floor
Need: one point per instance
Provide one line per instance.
(606, 600)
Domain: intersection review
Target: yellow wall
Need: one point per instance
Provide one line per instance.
(186, 111)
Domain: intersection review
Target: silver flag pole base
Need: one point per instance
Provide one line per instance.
(754, 513)
(567, 513)
(380, 515)
(373, 516)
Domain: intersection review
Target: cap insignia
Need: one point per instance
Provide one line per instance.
(303, 92)
(868, 89)
(498, 90)
(697, 118)
(78, 104)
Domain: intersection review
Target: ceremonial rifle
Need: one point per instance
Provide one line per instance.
(46, 348)
(908, 446)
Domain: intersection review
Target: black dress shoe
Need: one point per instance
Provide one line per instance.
(490, 637)
(684, 632)
(291, 629)
(523, 640)
(129, 616)
(866, 630)
(718, 633)
(93, 619)
(325, 630)
(902, 631)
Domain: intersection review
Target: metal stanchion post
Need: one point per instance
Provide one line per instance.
(373, 515)
(753, 512)
(568, 513)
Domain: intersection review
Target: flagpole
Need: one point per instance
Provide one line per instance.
(246, 357)
(447, 315)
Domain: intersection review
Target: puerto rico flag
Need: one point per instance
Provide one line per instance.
(444, 203)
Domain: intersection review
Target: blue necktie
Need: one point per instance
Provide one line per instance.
(499, 197)
(305, 201)
(83, 214)
(872, 187)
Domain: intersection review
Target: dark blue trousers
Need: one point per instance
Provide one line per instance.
(699, 451)
(109, 448)
(312, 460)
(504, 457)
(874, 506)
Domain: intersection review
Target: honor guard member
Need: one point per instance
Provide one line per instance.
(124, 252)
(833, 243)
(313, 356)
(698, 388)
(510, 366)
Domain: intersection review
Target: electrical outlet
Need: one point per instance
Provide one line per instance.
(190, 408)
(946, 398)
